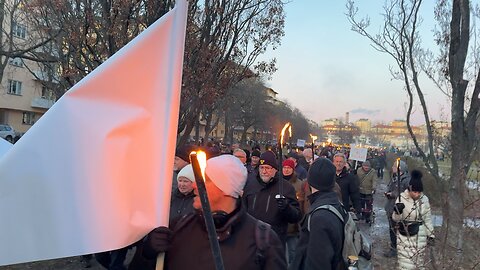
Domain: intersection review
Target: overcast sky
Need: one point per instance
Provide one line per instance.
(326, 70)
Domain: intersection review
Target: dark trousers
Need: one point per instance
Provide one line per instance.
(380, 173)
(112, 260)
(393, 235)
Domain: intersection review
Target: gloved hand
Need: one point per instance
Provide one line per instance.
(398, 208)
(157, 241)
(282, 203)
(431, 241)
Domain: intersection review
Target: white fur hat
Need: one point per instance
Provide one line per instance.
(187, 172)
(227, 173)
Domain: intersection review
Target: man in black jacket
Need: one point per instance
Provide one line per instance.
(270, 198)
(321, 237)
(225, 178)
(348, 184)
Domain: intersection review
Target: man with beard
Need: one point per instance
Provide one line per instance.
(270, 198)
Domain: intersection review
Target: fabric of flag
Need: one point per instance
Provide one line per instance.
(94, 173)
(4, 147)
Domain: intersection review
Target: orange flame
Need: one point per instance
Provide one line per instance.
(202, 161)
(313, 137)
(283, 132)
(290, 131)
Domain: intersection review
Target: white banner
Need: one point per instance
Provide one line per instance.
(94, 173)
(300, 143)
(358, 153)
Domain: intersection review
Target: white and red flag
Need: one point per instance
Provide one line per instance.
(94, 173)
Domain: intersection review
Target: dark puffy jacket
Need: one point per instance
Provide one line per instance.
(321, 247)
(190, 247)
(350, 192)
(181, 204)
(260, 202)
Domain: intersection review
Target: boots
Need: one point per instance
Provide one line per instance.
(391, 253)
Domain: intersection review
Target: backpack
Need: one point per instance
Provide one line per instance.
(355, 243)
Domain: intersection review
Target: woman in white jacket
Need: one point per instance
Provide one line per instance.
(415, 230)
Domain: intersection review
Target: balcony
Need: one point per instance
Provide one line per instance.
(42, 103)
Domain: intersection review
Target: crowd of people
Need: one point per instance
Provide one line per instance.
(264, 211)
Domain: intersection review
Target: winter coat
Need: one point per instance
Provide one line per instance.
(293, 228)
(190, 245)
(260, 202)
(392, 188)
(366, 181)
(411, 249)
(321, 247)
(349, 186)
(181, 204)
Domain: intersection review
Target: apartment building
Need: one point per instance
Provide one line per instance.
(24, 95)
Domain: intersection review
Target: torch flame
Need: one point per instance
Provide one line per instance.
(290, 131)
(313, 137)
(202, 161)
(283, 132)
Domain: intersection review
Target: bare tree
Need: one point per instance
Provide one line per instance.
(399, 38)
(20, 39)
(224, 40)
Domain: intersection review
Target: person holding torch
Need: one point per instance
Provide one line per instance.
(236, 230)
(271, 198)
(399, 182)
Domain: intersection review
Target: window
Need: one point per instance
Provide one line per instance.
(19, 30)
(16, 62)
(14, 87)
(28, 118)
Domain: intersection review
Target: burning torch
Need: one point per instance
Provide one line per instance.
(199, 162)
(313, 146)
(280, 159)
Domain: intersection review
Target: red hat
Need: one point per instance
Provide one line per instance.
(289, 163)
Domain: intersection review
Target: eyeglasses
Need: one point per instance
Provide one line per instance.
(265, 168)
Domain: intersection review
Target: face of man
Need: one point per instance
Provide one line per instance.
(339, 163)
(307, 155)
(365, 167)
(215, 196)
(287, 170)
(255, 160)
(185, 186)
(179, 163)
(266, 172)
(241, 156)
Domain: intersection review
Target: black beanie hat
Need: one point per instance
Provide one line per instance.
(256, 153)
(321, 175)
(183, 152)
(269, 158)
(416, 181)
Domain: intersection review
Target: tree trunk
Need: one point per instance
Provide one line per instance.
(186, 135)
(243, 139)
(227, 127)
(453, 212)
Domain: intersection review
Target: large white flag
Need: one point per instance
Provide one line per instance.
(95, 171)
(5, 146)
